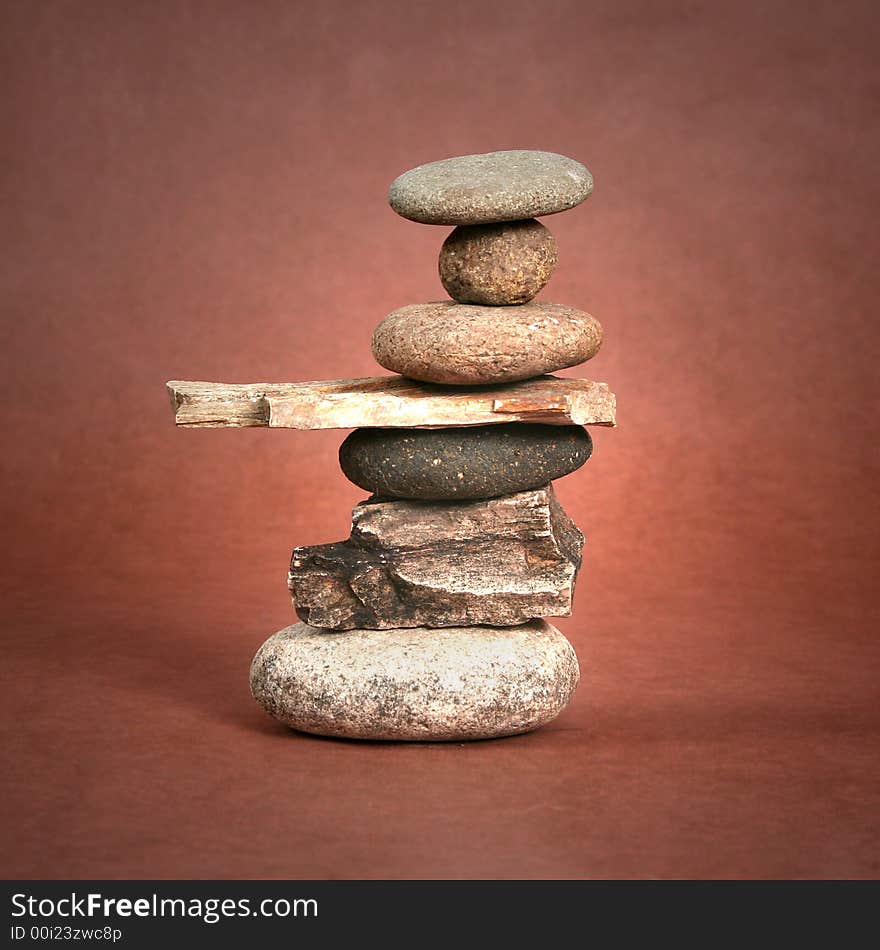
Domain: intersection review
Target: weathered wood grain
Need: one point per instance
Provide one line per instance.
(499, 561)
(389, 401)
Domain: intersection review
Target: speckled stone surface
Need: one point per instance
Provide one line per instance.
(469, 345)
(493, 186)
(462, 463)
(416, 684)
(497, 264)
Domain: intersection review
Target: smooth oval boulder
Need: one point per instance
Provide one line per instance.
(489, 187)
(463, 463)
(448, 684)
(497, 264)
(469, 345)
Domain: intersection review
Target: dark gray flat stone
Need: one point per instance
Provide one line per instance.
(464, 463)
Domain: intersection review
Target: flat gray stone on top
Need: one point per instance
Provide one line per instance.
(490, 187)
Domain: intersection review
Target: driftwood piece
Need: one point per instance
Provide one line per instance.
(390, 401)
(499, 561)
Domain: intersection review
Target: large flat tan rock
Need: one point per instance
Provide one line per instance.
(383, 401)
(416, 684)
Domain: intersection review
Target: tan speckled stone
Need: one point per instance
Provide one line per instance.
(492, 186)
(416, 684)
(497, 264)
(468, 345)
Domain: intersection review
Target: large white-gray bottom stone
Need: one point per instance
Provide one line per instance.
(418, 683)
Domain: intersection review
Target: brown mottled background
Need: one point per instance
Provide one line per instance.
(197, 190)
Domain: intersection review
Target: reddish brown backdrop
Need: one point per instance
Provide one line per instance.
(197, 190)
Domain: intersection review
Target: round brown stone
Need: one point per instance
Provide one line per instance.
(470, 345)
(497, 264)
(417, 683)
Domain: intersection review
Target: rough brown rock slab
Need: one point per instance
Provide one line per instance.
(500, 561)
(415, 684)
(388, 401)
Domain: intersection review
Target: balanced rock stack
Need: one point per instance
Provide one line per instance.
(426, 623)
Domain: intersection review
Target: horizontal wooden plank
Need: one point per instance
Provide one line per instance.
(390, 401)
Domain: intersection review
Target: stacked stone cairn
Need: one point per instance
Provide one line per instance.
(426, 623)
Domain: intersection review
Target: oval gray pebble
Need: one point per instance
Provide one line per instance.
(462, 463)
(448, 684)
(490, 187)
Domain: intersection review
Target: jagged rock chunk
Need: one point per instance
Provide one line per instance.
(500, 561)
